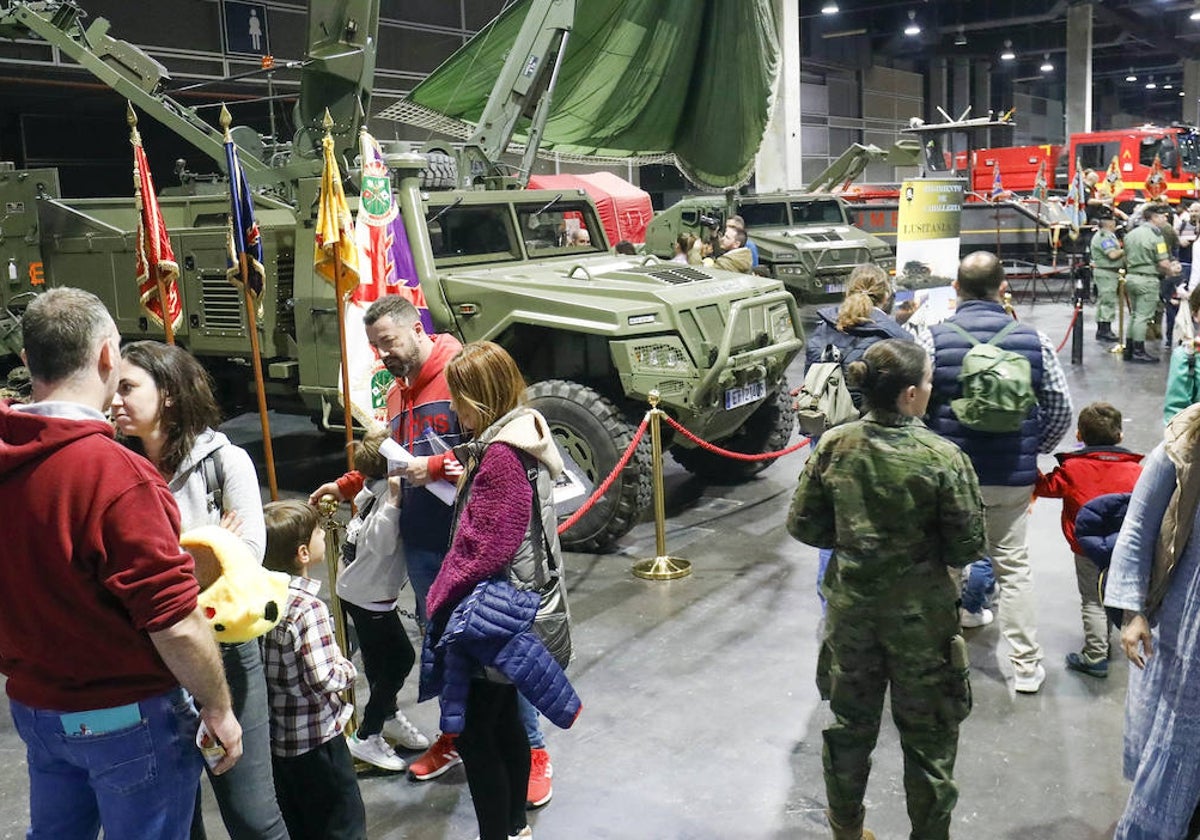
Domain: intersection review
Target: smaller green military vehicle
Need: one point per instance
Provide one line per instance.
(803, 239)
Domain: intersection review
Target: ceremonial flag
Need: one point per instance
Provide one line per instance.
(1156, 181)
(997, 187)
(334, 239)
(1039, 183)
(385, 267)
(244, 236)
(1112, 179)
(154, 257)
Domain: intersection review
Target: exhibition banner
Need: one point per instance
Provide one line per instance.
(927, 243)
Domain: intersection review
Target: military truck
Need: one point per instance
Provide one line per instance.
(804, 239)
(593, 333)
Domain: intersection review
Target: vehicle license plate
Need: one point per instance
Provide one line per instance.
(834, 288)
(744, 394)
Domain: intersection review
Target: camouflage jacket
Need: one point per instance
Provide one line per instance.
(896, 502)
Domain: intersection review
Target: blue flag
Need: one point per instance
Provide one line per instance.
(243, 230)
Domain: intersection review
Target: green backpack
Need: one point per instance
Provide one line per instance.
(997, 385)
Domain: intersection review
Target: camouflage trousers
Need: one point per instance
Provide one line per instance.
(915, 648)
(1143, 301)
(1106, 295)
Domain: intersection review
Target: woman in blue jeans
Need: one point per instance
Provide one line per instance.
(164, 408)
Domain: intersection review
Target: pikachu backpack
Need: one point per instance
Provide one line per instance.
(240, 599)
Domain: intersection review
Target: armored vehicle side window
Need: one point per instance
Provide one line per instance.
(561, 228)
(825, 212)
(773, 214)
(472, 234)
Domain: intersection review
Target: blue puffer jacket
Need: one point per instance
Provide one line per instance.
(1005, 460)
(491, 628)
(1097, 525)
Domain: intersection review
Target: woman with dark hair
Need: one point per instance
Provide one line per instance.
(503, 549)
(164, 408)
(843, 333)
(898, 504)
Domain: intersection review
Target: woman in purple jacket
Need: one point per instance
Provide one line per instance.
(494, 536)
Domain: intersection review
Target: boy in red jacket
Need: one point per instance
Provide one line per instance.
(1100, 467)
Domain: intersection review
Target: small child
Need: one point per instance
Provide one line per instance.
(1100, 467)
(314, 773)
(370, 575)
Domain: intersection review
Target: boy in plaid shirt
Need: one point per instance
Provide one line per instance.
(314, 773)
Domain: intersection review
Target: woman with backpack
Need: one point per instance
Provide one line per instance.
(504, 564)
(900, 505)
(843, 334)
(164, 409)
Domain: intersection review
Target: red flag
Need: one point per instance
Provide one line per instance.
(155, 257)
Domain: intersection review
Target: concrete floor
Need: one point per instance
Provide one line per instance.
(701, 720)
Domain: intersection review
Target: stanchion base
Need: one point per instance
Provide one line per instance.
(662, 568)
(1117, 348)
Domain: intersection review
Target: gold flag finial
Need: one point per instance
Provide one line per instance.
(327, 121)
(130, 114)
(226, 118)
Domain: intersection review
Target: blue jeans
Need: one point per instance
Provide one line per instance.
(529, 719)
(423, 566)
(137, 782)
(978, 586)
(246, 793)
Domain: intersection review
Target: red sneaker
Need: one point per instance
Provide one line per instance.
(540, 773)
(437, 759)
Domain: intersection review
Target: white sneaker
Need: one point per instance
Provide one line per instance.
(377, 752)
(409, 737)
(1030, 683)
(976, 619)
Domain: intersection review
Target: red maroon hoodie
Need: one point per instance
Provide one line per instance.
(1085, 474)
(91, 563)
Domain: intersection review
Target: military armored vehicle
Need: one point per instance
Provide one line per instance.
(804, 239)
(593, 333)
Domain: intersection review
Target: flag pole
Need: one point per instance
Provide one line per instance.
(255, 354)
(347, 415)
(164, 306)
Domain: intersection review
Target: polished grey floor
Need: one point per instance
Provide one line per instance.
(701, 720)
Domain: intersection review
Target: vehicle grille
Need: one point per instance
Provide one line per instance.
(675, 274)
(822, 237)
(222, 303)
(285, 312)
(839, 260)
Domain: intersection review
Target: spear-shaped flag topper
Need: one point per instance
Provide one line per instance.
(335, 254)
(245, 241)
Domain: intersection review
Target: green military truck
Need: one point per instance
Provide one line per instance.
(593, 333)
(804, 239)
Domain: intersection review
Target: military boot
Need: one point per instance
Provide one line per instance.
(1104, 332)
(1140, 354)
(849, 831)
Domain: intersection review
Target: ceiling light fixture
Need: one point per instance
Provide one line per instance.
(1131, 78)
(1150, 85)
(1168, 86)
(830, 8)
(1195, 15)
(913, 27)
(1181, 93)
(960, 40)
(1008, 54)
(1046, 67)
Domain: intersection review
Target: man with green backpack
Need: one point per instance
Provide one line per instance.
(1000, 393)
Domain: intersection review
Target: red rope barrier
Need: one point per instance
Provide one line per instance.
(1070, 327)
(737, 456)
(612, 476)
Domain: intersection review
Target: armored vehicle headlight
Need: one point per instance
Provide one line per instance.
(782, 327)
(790, 269)
(659, 356)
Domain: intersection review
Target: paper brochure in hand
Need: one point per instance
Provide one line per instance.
(398, 460)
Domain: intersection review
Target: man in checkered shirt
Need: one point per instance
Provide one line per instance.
(315, 781)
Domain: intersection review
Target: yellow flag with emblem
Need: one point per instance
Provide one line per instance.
(335, 251)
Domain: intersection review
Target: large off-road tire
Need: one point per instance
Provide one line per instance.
(440, 172)
(595, 434)
(766, 430)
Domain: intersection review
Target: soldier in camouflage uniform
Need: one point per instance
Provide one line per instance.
(1108, 257)
(898, 504)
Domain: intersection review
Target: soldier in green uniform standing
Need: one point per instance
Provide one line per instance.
(898, 504)
(1107, 258)
(1146, 257)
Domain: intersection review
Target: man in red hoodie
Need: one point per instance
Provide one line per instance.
(1100, 467)
(100, 632)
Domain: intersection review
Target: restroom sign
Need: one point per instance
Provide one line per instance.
(245, 28)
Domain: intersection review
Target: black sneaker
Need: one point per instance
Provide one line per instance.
(1076, 662)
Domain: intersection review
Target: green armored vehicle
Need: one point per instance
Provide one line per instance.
(593, 333)
(803, 239)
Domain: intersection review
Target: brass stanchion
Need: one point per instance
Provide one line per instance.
(662, 566)
(1008, 305)
(327, 508)
(1122, 300)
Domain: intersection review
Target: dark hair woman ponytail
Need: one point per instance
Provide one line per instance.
(886, 369)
